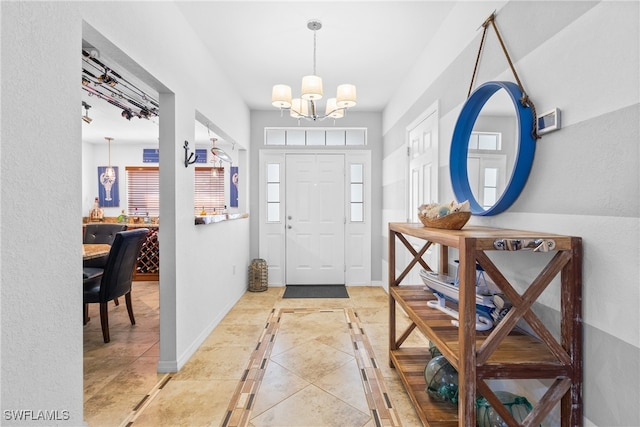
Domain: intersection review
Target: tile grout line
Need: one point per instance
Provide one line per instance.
(383, 412)
(146, 400)
(240, 407)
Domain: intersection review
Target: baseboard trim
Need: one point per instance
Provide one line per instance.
(172, 366)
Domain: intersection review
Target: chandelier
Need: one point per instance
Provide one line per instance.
(305, 107)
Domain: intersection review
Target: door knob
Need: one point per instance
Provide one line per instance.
(289, 227)
(289, 217)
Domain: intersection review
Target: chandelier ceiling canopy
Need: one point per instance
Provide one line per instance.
(305, 107)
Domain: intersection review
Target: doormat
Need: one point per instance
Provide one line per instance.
(315, 291)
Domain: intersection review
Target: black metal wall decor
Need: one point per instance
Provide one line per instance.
(189, 158)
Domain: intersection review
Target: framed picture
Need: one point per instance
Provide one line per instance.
(108, 194)
(233, 187)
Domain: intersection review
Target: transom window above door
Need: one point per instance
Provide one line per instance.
(315, 137)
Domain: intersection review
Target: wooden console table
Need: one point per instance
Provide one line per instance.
(500, 353)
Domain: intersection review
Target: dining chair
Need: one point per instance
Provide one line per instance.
(103, 234)
(117, 277)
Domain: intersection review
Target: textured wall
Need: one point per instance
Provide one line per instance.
(41, 337)
(582, 57)
(41, 298)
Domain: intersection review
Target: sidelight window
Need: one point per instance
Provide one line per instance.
(356, 183)
(273, 192)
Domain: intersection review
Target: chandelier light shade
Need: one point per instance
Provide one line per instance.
(346, 96)
(305, 107)
(281, 96)
(311, 88)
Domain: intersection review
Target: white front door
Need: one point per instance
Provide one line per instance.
(487, 177)
(423, 177)
(315, 219)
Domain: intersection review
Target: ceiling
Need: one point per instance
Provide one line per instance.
(371, 44)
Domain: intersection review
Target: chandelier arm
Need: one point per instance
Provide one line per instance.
(337, 109)
(313, 109)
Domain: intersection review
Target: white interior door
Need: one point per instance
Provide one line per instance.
(423, 178)
(315, 219)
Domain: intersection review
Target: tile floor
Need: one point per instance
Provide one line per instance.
(314, 368)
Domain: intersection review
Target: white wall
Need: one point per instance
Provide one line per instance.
(40, 253)
(185, 88)
(41, 294)
(582, 57)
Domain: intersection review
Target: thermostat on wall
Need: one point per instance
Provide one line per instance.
(549, 121)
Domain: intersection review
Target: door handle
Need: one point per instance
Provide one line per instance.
(289, 217)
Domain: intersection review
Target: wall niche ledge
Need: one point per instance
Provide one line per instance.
(214, 219)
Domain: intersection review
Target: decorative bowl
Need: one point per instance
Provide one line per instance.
(452, 221)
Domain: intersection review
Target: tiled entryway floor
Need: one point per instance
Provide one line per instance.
(277, 362)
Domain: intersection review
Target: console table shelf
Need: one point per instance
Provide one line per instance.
(502, 352)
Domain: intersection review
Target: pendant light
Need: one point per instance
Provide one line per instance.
(110, 171)
(219, 152)
(108, 177)
(305, 107)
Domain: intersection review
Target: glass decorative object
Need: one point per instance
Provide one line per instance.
(433, 350)
(518, 406)
(442, 380)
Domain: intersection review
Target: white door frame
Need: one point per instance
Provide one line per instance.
(432, 255)
(433, 109)
(271, 234)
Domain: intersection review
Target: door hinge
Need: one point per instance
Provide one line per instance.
(408, 151)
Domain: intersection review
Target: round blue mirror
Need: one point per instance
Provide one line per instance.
(490, 195)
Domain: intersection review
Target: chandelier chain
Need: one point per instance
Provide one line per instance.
(314, 52)
(109, 149)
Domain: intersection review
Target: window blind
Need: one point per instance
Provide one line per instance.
(209, 190)
(143, 190)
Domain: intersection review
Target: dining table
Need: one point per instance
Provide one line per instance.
(94, 250)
